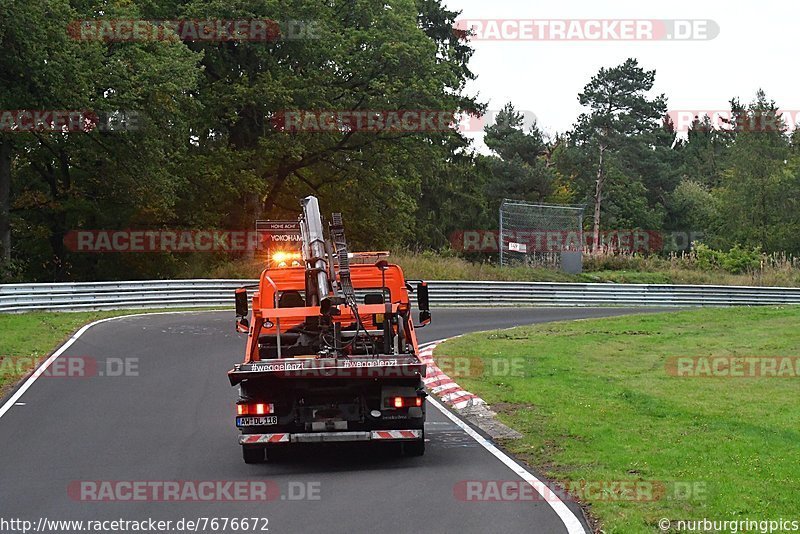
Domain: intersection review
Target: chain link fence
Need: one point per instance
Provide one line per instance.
(536, 234)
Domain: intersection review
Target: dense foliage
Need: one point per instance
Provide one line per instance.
(206, 152)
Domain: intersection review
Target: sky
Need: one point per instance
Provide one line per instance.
(756, 47)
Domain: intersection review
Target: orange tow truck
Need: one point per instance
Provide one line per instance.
(331, 352)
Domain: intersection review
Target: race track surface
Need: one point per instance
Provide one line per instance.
(174, 420)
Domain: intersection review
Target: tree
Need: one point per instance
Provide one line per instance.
(703, 153)
(520, 169)
(40, 73)
(619, 111)
(63, 180)
(761, 185)
(207, 153)
(694, 208)
(353, 61)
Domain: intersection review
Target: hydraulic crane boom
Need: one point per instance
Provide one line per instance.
(314, 252)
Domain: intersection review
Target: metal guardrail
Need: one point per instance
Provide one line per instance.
(219, 293)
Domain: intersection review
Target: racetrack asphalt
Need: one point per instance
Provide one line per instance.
(172, 419)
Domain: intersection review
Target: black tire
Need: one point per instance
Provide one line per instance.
(253, 455)
(277, 453)
(414, 448)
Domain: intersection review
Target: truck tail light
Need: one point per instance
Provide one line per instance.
(255, 409)
(404, 402)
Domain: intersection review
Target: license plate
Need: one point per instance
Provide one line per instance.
(257, 421)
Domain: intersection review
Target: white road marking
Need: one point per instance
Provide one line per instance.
(570, 520)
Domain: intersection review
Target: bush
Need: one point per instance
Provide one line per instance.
(737, 260)
(12, 272)
(706, 259)
(613, 262)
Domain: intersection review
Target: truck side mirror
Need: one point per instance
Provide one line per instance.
(242, 309)
(424, 318)
(242, 325)
(424, 304)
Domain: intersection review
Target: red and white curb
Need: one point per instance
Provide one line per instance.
(453, 395)
(442, 385)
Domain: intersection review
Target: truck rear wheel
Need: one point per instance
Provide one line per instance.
(254, 455)
(413, 448)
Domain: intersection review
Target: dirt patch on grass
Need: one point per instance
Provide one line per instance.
(510, 408)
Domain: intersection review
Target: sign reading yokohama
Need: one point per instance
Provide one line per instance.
(280, 234)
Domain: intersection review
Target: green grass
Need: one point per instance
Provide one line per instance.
(595, 402)
(611, 269)
(429, 266)
(628, 277)
(28, 338)
(426, 266)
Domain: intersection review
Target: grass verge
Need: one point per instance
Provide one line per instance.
(620, 270)
(596, 403)
(28, 338)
